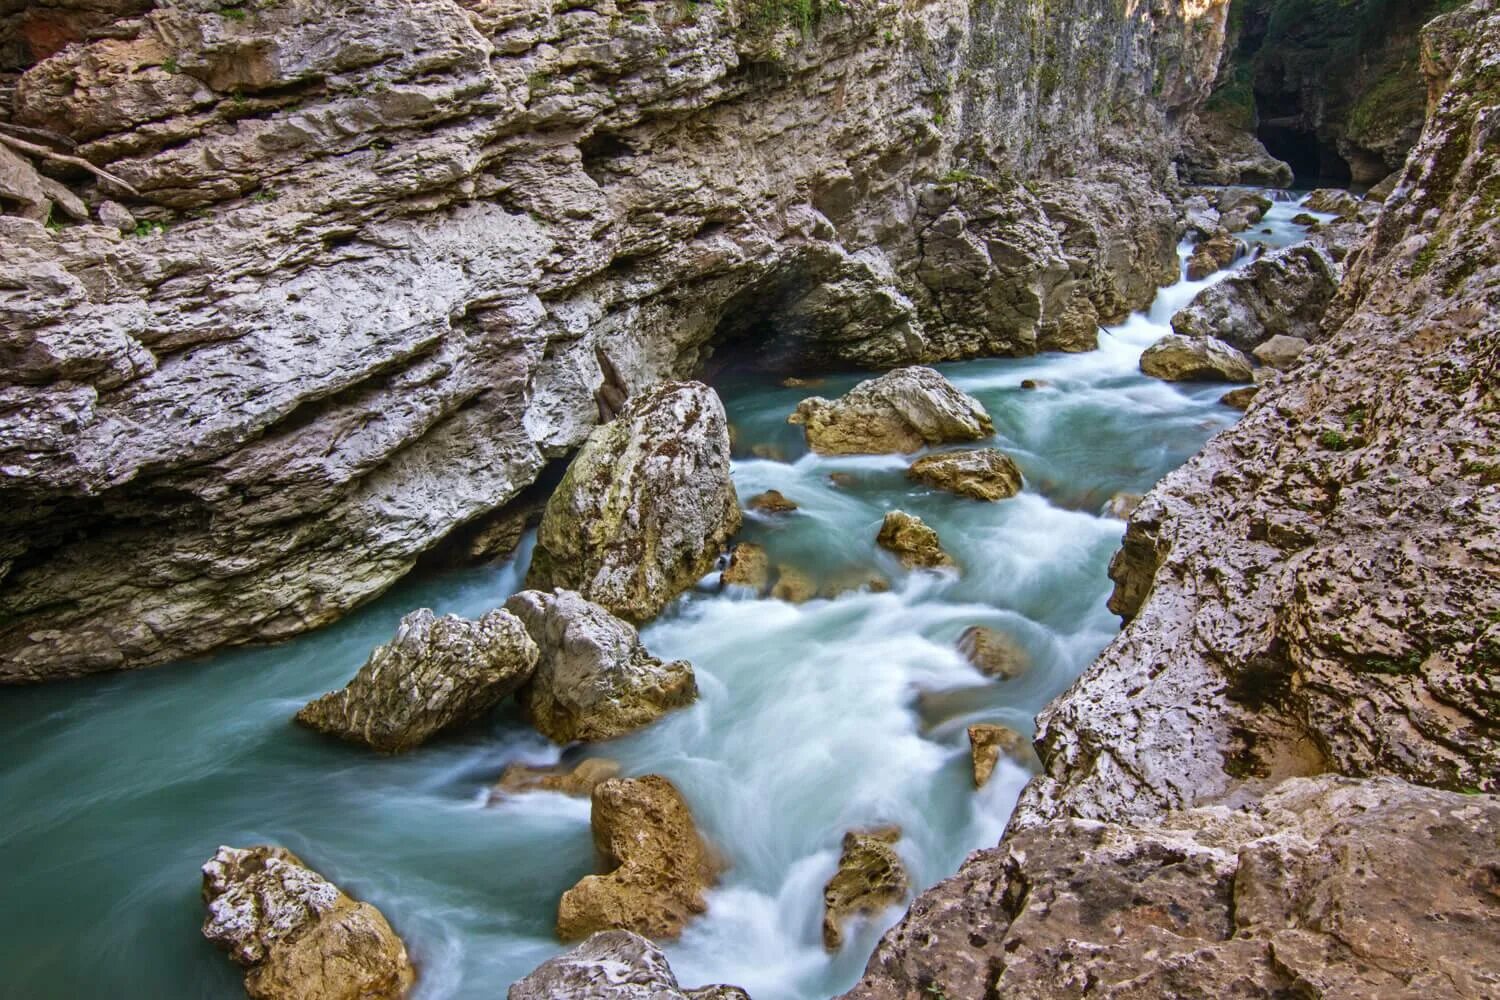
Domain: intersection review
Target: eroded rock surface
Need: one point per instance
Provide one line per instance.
(913, 542)
(900, 411)
(645, 508)
(987, 744)
(871, 876)
(1284, 292)
(613, 965)
(1176, 358)
(980, 474)
(298, 936)
(579, 781)
(993, 652)
(435, 674)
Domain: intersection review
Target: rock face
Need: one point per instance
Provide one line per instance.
(900, 411)
(870, 878)
(1176, 358)
(645, 508)
(613, 965)
(1327, 887)
(395, 256)
(1284, 292)
(987, 743)
(981, 474)
(1218, 151)
(594, 680)
(1213, 254)
(299, 937)
(658, 865)
(913, 542)
(435, 674)
(749, 566)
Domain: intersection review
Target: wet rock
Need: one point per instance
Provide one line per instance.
(1240, 208)
(748, 567)
(1305, 220)
(980, 474)
(657, 866)
(853, 579)
(613, 965)
(1333, 201)
(939, 709)
(298, 936)
(646, 506)
(1240, 398)
(871, 877)
(843, 480)
(1122, 505)
(1281, 352)
(794, 382)
(793, 585)
(519, 777)
(594, 679)
(1213, 254)
(993, 653)
(913, 542)
(987, 743)
(1284, 292)
(1176, 358)
(1034, 383)
(901, 411)
(771, 502)
(435, 674)
(1381, 191)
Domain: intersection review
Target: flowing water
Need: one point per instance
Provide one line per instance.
(116, 789)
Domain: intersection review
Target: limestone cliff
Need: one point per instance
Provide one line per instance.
(381, 257)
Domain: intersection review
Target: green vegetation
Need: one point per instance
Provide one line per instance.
(148, 227)
(1333, 440)
(1403, 666)
(804, 15)
(234, 13)
(169, 65)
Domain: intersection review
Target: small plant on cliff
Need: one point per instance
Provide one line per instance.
(1333, 440)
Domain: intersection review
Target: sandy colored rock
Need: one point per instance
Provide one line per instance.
(748, 566)
(657, 865)
(771, 502)
(853, 579)
(1333, 201)
(901, 411)
(843, 480)
(646, 506)
(1281, 352)
(994, 653)
(793, 585)
(979, 474)
(594, 679)
(1239, 398)
(1283, 292)
(298, 936)
(871, 876)
(613, 965)
(1121, 505)
(518, 778)
(1195, 359)
(987, 743)
(913, 542)
(1213, 254)
(435, 674)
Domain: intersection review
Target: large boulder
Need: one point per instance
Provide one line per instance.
(1176, 358)
(613, 965)
(1281, 352)
(1213, 254)
(646, 506)
(594, 679)
(901, 411)
(913, 542)
(658, 865)
(435, 674)
(1333, 201)
(870, 877)
(1283, 292)
(298, 936)
(980, 473)
(749, 566)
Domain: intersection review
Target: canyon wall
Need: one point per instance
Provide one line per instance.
(379, 259)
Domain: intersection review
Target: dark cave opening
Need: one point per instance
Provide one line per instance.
(1314, 163)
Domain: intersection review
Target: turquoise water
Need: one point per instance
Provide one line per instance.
(116, 789)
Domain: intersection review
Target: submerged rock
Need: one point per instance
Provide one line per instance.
(613, 965)
(594, 679)
(1122, 505)
(646, 506)
(658, 865)
(1176, 358)
(1284, 292)
(980, 474)
(987, 743)
(901, 411)
(749, 566)
(871, 876)
(518, 778)
(297, 934)
(993, 653)
(793, 585)
(771, 502)
(435, 674)
(913, 542)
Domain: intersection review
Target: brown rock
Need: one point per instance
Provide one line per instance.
(986, 743)
(519, 777)
(794, 382)
(793, 585)
(1176, 358)
(871, 877)
(843, 480)
(993, 653)
(901, 411)
(913, 542)
(1122, 505)
(769, 452)
(1281, 352)
(748, 567)
(980, 474)
(852, 579)
(657, 864)
(1213, 254)
(771, 502)
(1240, 398)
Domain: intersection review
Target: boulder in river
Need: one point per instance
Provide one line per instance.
(1213, 254)
(613, 965)
(658, 864)
(298, 936)
(993, 653)
(748, 566)
(987, 742)
(1240, 398)
(645, 508)
(901, 411)
(1333, 201)
(1241, 208)
(578, 781)
(1176, 358)
(979, 473)
(435, 674)
(793, 585)
(771, 502)
(1281, 352)
(870, 877)
(1285, 291)
(594, 679)
(913, 542)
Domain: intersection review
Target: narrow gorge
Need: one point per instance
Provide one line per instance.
(587, 500)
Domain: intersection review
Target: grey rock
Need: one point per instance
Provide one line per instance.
(901, 411)
(1176, 358)
(1282, 293)
(1281, 352)
(613, 965)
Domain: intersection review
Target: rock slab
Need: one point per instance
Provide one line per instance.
(899, 412)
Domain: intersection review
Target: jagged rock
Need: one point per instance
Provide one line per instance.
(748, 567)
(1284, 292)
(1333, 201)
(580, 781)
(646, 506)
(980, 474)
(987, 742)
(993, 653)
(657, 864)
(297, 934)
(871, 877)
(435, 674)
(594, 679)
(1217, 152)
(1240, 398)
(901, 411)
(1348, 888)
(1381, 191)
(1176, 358)
(613, 965)
(1281, 352)
(116, 216)
(912, 542)
(1122, 505)
(793, 585)
(1213, 254)
(1241, 208)
(771, 502)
